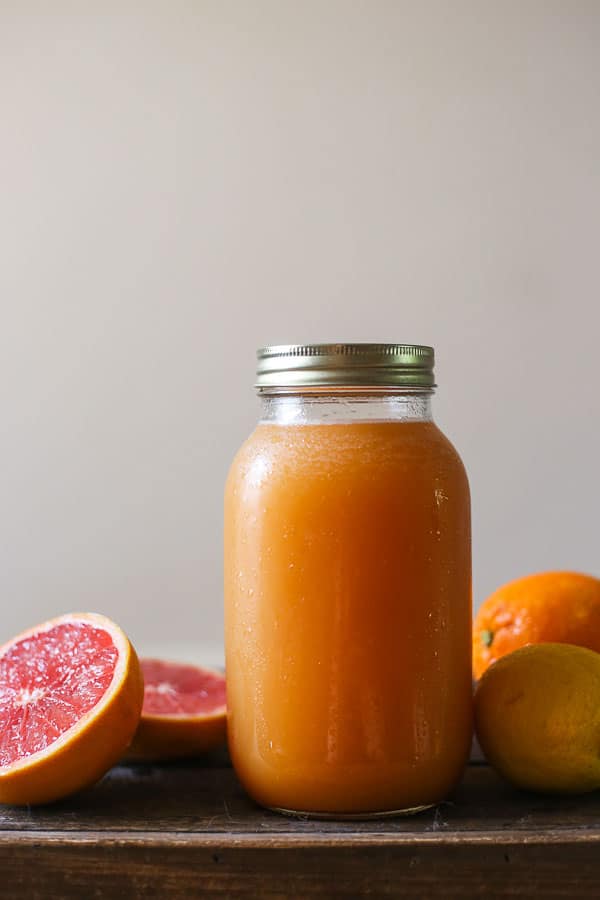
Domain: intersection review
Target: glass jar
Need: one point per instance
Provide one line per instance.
(348, 587)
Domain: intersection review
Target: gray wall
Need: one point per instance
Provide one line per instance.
(183, 181)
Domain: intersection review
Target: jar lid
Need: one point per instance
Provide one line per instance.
(350, 365)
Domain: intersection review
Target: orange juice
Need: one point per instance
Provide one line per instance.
(348, 615)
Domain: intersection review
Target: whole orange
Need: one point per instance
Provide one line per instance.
(558, 607)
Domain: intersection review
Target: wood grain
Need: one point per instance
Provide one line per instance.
(188, 831)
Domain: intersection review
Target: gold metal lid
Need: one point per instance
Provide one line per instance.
(349, 365)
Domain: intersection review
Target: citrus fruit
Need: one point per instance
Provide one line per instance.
(560, 607)
(537, 717)
(70, 698)
(184, 712)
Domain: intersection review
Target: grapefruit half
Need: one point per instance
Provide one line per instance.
(184, 712)
(71, 694)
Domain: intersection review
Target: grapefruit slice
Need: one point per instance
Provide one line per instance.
(71, 693)
(184, 712)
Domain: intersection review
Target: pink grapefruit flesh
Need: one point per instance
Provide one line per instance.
(48, 682)
(70, 699)
(172, 689)
(184, 711)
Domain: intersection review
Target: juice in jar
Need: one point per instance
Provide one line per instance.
(348, 605)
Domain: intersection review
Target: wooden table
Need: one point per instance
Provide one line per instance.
(187, 831)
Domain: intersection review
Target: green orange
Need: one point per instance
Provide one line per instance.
(537, 716)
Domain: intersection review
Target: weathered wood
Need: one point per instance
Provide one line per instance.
(193, 798)
(134, 871)
(188, 831)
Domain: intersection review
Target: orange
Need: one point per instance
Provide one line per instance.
(184, 712)
(562, 607)
(71, 694)
(537, 716)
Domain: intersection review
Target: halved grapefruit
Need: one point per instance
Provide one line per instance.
(184, 712)
(71, 694)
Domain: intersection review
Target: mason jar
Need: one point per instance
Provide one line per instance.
(348, 587)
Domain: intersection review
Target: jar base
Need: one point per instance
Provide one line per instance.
(351, 817)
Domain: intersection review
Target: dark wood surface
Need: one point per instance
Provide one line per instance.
(188, 831)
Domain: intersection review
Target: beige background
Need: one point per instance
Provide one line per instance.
(183, 181)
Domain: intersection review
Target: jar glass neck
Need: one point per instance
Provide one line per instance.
(332, 407)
